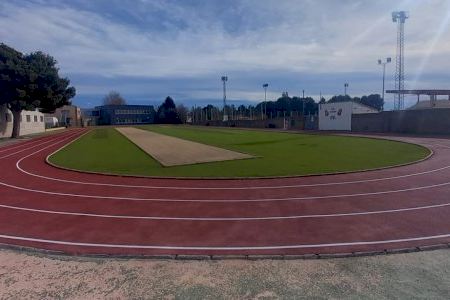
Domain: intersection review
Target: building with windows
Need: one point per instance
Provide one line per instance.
(121, 115)
(31, 121)
(67, 115)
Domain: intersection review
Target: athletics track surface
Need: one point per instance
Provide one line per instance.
(78, 213)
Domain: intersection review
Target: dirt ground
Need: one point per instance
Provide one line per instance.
(171, 151)
(421, 275)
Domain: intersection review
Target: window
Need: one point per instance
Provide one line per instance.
(42, 119)
(35, 118)
(28, 118)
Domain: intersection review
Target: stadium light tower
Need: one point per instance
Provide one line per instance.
(224, 80)
(400, 17)
(383, 63)
(265, 85)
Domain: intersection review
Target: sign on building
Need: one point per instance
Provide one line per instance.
(335, 116)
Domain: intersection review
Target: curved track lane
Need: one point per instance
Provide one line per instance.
(54, 209)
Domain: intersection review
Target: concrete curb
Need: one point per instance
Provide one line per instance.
(250, 257)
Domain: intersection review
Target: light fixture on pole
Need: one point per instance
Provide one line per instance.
(265, 85)
(225, 79)
(345, 88)
(383, 63)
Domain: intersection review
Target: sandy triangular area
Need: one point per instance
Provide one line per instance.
(172, 151)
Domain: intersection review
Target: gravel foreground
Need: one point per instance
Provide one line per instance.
(401, 276)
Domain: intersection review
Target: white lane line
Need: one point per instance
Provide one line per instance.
(440, 145)
(225, 200)
(30, 142)
(28, 148)
(225, 248)
(214, 200)
(223, 218)
(20, 144)
(220, 188)
(229, 188)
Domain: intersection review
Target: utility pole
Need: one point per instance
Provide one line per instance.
(383, 63)
(225, 116)
(265, 85)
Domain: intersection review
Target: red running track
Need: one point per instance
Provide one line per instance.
(78, 213)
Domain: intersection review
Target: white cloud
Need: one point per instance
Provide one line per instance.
(309, 37)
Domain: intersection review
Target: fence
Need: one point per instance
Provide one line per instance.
(426, 121)
(298, 123)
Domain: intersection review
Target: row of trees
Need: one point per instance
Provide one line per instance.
(31, 81)
(283, 106)
(373, 100)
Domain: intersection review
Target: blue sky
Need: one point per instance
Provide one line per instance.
(147, 50)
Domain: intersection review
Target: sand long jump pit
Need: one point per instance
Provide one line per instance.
(171, 151)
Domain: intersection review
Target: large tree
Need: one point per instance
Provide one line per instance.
(31, 82)
(167, 113)
(114, 98)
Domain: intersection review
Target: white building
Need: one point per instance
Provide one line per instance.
(31, 122)
(338, 115)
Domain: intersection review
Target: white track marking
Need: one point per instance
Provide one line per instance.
(213, 200)
(229, 188)
(28, 148)
(225, 200)
(219, 188)
(31, 141)
(440, 145)
(224, 248)
(18, 145)
(223, 218)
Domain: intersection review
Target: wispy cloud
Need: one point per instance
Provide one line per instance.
(181, 47)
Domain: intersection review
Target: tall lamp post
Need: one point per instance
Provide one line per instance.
(224, 80)
(383, 63)
(265, 85)
(345, 88)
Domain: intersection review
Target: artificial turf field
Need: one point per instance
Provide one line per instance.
(277, 153)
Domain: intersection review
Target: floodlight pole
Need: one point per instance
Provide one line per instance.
(380, 62)
(400, 17)
(265, 85)
(224, 80)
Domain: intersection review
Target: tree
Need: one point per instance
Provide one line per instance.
(373, 100)
(31, 82)
(182, 112)
(114, 98)
(167, 113)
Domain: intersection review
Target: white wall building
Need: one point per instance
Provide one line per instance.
(31, 122)
(338, 115)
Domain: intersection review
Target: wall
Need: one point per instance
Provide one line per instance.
(26, 127)
(335, 116)
(426, 121)
(67, 115)
(280, 123)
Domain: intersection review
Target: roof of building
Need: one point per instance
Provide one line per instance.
(354, 102)
(419, 92)
(427, 104)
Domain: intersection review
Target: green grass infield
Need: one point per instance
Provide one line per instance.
(276, 153)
